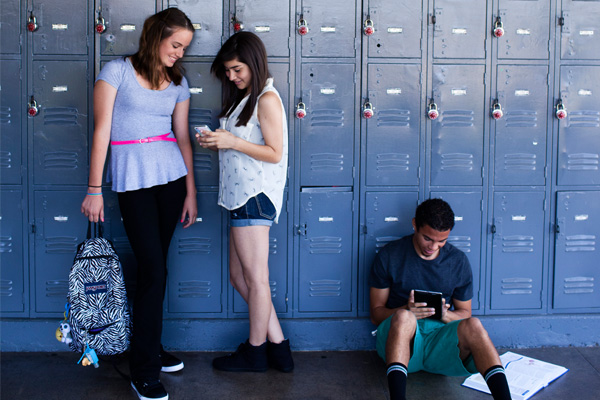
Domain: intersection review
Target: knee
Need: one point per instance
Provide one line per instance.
(403, 320)
(472, 328)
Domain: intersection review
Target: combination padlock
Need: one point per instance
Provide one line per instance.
(561, 111)
(32, 108)
(368, 28)
(237, 25)
(497, 110)
(100, 24)
(300, 110)
(32, 25)
(498, 28)
(432, 111)
(367, 111)
(302, 26)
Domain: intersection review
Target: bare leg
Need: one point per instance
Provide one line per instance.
(402, 331)
(474, 339)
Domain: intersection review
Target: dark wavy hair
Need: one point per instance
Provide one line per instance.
(157, 28)
(436, 213)
(246, 47)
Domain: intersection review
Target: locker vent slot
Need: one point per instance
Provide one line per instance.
(6, 288)
(6, 244)
(327, 161)
(584, 119)
(521, 119)
(197, 245)
(381, 241)
(457, 161)
(325, 245)
(5, 159)
(122, 245)
(202, 162)
(61, 245)
(517, 244)
(582, 161)
(57, 288)
(60, 116)
(461, 242)
(325, 288)
(457, 118)
(60, 160)
(520, 161)
(272, 245)
(393, 118)
(580, 243)
(5, 115)
(273, 286)
(191, 289)
(578, 285)
(200, 116)
(393, 161)
(327, 118)
(517, 286)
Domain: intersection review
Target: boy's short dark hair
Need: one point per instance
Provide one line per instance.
(436, 213)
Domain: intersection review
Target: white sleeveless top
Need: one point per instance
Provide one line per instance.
(243, 177)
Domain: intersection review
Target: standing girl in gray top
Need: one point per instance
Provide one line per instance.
(141, 108)
(253, 146)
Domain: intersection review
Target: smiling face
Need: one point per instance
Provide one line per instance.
(238, 73)
(172, 48)
(428, 242)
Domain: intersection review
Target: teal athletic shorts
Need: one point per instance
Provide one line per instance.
(435, 348)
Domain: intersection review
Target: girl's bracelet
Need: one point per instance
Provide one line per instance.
(95, 194)
(94, 186)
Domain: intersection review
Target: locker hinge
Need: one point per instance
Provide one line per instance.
(481, 204)
(33, 228)
(545, 172)
(556, 228)
(493, 228)
(353, 172)
(561, 21)
(482, 172)
(433, 19)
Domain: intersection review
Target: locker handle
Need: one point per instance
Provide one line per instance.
(493, 228)
(557, 228)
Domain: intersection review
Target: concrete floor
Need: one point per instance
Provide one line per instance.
(318, 375)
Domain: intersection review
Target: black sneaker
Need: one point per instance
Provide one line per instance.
(246, 358)
(150, 389)
(280, 356)
(170, 363)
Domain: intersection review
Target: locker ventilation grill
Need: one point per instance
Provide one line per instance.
(461, 242)
(325, 288)
(57, 288)
(457, 118)
(6, 288)
(520, 161)
(61, 245)
(6, 244)
(578, 285)
(197, 245)
(393, 161)
(582, 161)
(395, 118)
(60, 159)
(517, 244)
(521, 119)
(202, 162)
(580, 243)
(200, 116)
(517, 286)
(327, 118)
(196, 289)
(327, 161)
(584, 119)
(325, 245)
(5, 159)
(5, 115)
(457, 161)
(272, 245)
(381, 241)
(60, 116)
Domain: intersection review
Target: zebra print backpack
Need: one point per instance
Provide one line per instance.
(97, 301)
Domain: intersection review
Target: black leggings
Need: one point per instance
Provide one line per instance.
(150, 217)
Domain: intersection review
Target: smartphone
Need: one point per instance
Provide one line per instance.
(433, 300)
(201, 128)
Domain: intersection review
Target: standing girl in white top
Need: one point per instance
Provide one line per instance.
(253, 146)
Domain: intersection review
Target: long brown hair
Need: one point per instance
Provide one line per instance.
(246, 47)
(147, 61)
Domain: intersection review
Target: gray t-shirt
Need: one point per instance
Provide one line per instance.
(140, 113)
(398, 267)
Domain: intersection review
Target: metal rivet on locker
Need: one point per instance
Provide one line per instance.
(100, 23)
(237, 25)
(368, 28)
(498, 28)
(432, 110)
(32, 108)
(497, 112)
(561, 111)
(302, 26)
(300, 110)
(367, 111)
(32, 25)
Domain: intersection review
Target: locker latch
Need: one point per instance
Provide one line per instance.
(368, 28)
(302, 26)
(32, 108)
(301, 230)
(432, 110)
(497, 110)
(498, 28)
(561, 111)
(237, 25)
(300, 110)
(100, 23)
(367, 111)
(32, 25)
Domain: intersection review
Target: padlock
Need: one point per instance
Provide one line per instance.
(32, 108)
(369, 29)
(498, 28)
(300, 110)
(561, 111)
(432, 111)
(367, 111)
(497, 110)
(302, 26)
(237, 25)
(32, 25)
(100, 24)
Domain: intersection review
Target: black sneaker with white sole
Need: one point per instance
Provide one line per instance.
(150, 389)
(170, 363)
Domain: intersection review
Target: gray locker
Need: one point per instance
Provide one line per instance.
(62, 27)
(327, 131)
(195, 276)
(59, 228)
(517, 250)
(278, 266)
(12, 262)
(331, 28)
(60, 130)
(10, 27)
(457, 134)
(576, 269)
(270, 20)
(388, 217)
(579, 133)
(520, 135)
(466, 234)
(11, 116)
(393, 132)
(526, 29)
(281, 80)
(325, 251)
(460, 29)
(579, 30)
(124, 22)
(398, 28)
(206, 17)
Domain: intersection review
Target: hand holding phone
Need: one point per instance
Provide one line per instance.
(433, 300)
(201, 128)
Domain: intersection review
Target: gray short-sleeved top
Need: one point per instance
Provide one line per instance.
(140, 113)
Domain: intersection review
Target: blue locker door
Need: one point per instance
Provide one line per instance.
(269, 20)
(460, 29)
(12, 264)
(579, 133)
(59, 228)
(205, 105)
(580, 30)
(124, 23)
(398, 31)
(60, 130)
(206, 17)
(11, 112)
(576, 271)
(517, 251)
(388, 217)
(457, 134)
(520, 146)
(194, 262)
(331, 28)
(466, 234)
(393, 132)
(62, 27)
(281, 80)
(326, 252)
(10, 28)
(526, 29)
(327, 131)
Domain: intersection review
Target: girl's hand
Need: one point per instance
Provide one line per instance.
(190, 211)
(93, 208)
(219, 139)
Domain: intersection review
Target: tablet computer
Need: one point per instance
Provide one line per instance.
(433, 300)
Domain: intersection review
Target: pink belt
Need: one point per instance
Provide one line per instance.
(158, 138)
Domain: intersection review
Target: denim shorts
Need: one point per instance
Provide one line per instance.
(258, 210)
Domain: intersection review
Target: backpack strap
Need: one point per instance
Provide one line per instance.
(98, 229)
